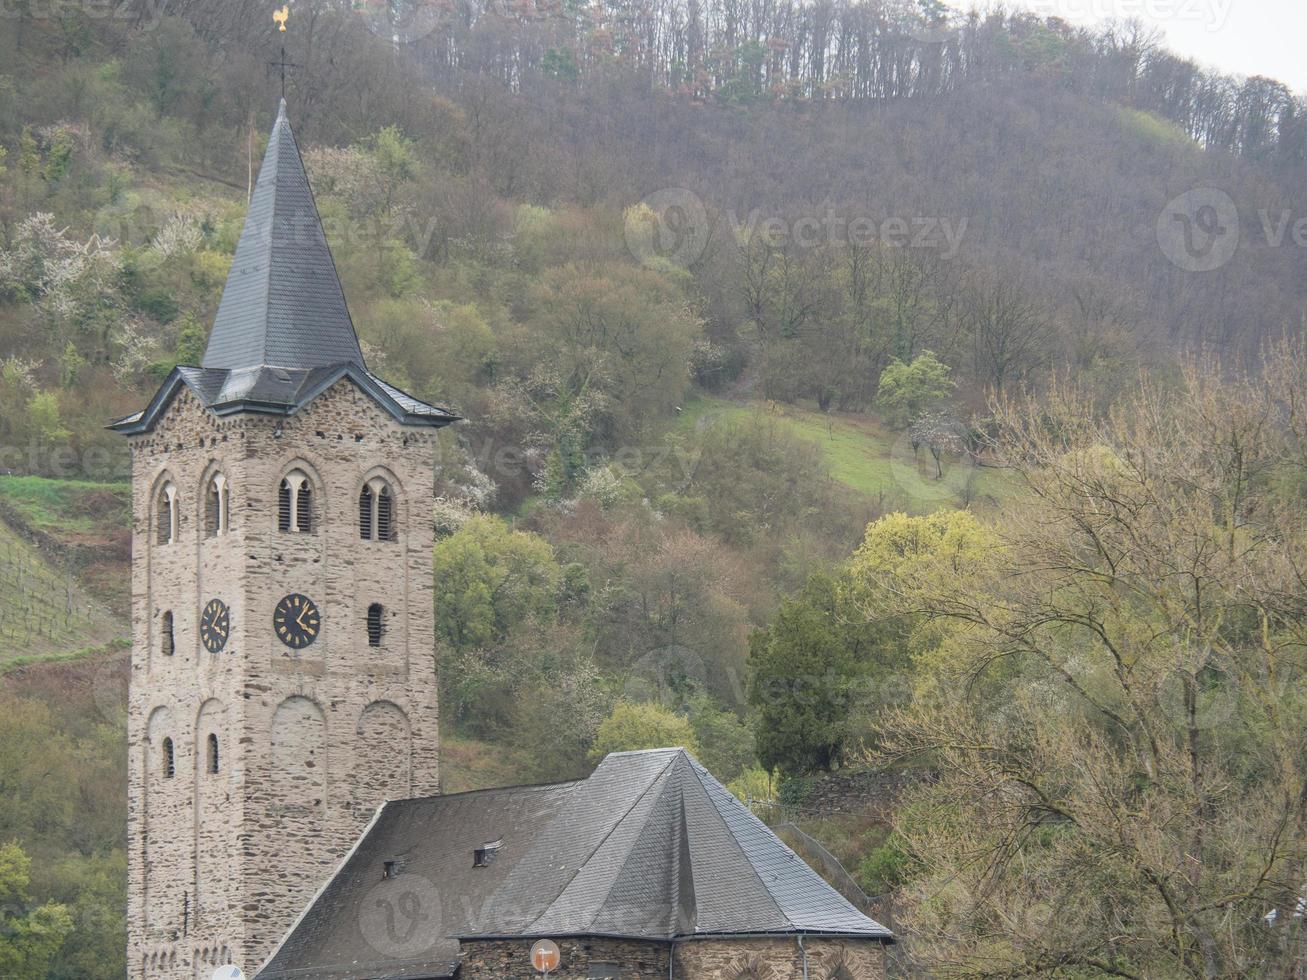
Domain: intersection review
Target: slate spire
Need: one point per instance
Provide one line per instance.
(283, 305)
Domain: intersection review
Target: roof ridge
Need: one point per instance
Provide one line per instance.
(581, 865)
(744, 856)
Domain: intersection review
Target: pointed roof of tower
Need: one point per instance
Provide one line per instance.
(283, 304)
(283, 333)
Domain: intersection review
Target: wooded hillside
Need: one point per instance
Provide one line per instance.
(789, 337)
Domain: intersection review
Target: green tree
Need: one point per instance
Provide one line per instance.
(726, 743)
(490, 579)
(45, 418)
(395, 158)
(1114, 706)
(802, 682)
(192, 338)
(908, 389)
(642, 725)
(29, 937)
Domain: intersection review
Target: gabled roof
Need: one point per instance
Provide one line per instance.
(650, 846)
(283, 303)
(277, 391)
(283, 334)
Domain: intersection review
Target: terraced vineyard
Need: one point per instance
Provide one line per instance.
(64, 567)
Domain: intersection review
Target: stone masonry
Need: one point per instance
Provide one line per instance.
(308, 742)
(707, 958)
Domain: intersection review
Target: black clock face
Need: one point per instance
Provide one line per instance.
(297, 621)
(215, 625)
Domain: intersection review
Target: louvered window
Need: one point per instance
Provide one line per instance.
(166, 642)
(365, 513)
(284, 506)
(169, 762)
(304, 509)
(213, 754)
(377, 512)
(385, 515)
(376, 624)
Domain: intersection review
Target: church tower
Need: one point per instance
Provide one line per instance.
(283, 681)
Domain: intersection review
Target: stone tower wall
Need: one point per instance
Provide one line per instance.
(310, 742)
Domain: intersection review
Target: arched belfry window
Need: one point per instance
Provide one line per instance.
(377, 512)
(217, 508)
(169, 760)
(166, 514)
(376, 624)
(295, 504)
(212, 761)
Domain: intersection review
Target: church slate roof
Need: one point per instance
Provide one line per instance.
(650, 846)
(283, 333)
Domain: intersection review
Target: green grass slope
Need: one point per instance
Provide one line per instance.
(867, 457)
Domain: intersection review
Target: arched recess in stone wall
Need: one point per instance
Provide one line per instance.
(748, 967)
(162, 815)
(298, 780)
(384, 750)
(212, 802)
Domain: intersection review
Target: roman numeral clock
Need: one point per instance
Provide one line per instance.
(297, 621)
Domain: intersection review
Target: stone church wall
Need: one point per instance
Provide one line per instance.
(698, 959)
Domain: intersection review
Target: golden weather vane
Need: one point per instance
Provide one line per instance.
(280, 17)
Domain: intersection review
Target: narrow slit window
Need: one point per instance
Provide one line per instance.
(166, 531)
(212, 761)
(376, 624)
(365, 513)
(169, 761)
(167, 641)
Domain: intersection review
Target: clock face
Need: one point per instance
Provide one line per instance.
(215, 624)
(297, 621)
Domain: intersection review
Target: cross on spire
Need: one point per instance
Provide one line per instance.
(281, 64)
